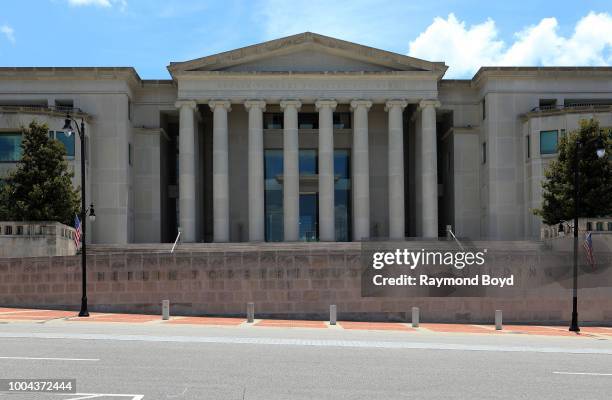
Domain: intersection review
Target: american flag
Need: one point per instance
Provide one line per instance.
(77, 234)
(588, 248)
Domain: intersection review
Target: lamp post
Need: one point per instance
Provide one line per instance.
(84, 211)
(601, 152)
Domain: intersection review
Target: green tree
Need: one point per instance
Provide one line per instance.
(594, 174)
(40, 187)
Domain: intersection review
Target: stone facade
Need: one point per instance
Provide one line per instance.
(424, 152)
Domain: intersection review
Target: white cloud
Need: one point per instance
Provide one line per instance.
(121, 4)
(465, 49)
(8, 32)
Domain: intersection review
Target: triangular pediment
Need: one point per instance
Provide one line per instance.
(307, 52)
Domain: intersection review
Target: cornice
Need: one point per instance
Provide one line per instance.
(485, 73)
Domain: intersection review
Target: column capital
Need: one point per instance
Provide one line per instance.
(290, 103)
(326, 103)
(220, 103)
(429, 103)
(395, 103)
(361, 103)
(255, 104)
(186, 103)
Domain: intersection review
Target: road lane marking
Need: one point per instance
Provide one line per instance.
(48, 358)
(306, 342)
(581, 373)
(84, 396)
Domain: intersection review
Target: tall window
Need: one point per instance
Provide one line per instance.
(342, 194)
(484, 108)
(548, 142)
(484, 153)
(273, 197)
(342, 120)
(273, 120)
(10, 146)
(308, 162)
(308, 120)
(528, 146)
(65, 139)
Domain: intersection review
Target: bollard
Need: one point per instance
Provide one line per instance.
(498, 320)
(165, 309)
(332, 314)
(250, 312)
(415, 317)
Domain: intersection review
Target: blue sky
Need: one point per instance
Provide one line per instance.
(149, 34)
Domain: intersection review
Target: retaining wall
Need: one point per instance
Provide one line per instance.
(299, 282)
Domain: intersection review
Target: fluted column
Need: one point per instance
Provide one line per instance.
(220, 170)
(327, 223)
(396, 168)
(361, 170)
(256, 170)
(429, 168)
(187, 168)
(291, 172)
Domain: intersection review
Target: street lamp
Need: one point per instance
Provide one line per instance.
(84, 211)
(601, 152)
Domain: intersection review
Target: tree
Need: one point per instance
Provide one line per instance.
(40, 187)
(594, 174)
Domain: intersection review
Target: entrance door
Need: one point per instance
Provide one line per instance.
(309, 208)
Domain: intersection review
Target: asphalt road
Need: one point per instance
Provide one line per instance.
(195, 362)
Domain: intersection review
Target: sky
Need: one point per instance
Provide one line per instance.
(149, 34)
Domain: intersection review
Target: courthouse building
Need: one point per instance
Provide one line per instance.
(307, 138)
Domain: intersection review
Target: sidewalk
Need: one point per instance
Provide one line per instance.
(8, 315)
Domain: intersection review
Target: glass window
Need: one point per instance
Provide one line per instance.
(548, 142)
(342, 194)
(273, 120)
(273, 198)
(66, 139)
(599, 226)
(308, 120)
(610, 226)
(484, 152)
(528, 146)
(589, 226)
(342, 120)
(10, 146)
(308, 162)
(484, 108)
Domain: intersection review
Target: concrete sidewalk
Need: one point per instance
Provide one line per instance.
(8, 315)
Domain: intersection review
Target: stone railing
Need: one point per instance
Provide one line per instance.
(565, 228)
(58, 111)
(35, 239)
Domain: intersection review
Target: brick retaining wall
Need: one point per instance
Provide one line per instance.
(282, 283)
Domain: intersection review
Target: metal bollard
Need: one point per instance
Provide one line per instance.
(415, 317)
(165, 309)
(498, 320)
(250, 312)
(332, 314)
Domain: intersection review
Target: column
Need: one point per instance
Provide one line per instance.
(429, 168)
(361, 170)
(291, 172)
(327, 222)
(187, 169)
(256, 170)
(220, 170)
(396, 168)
